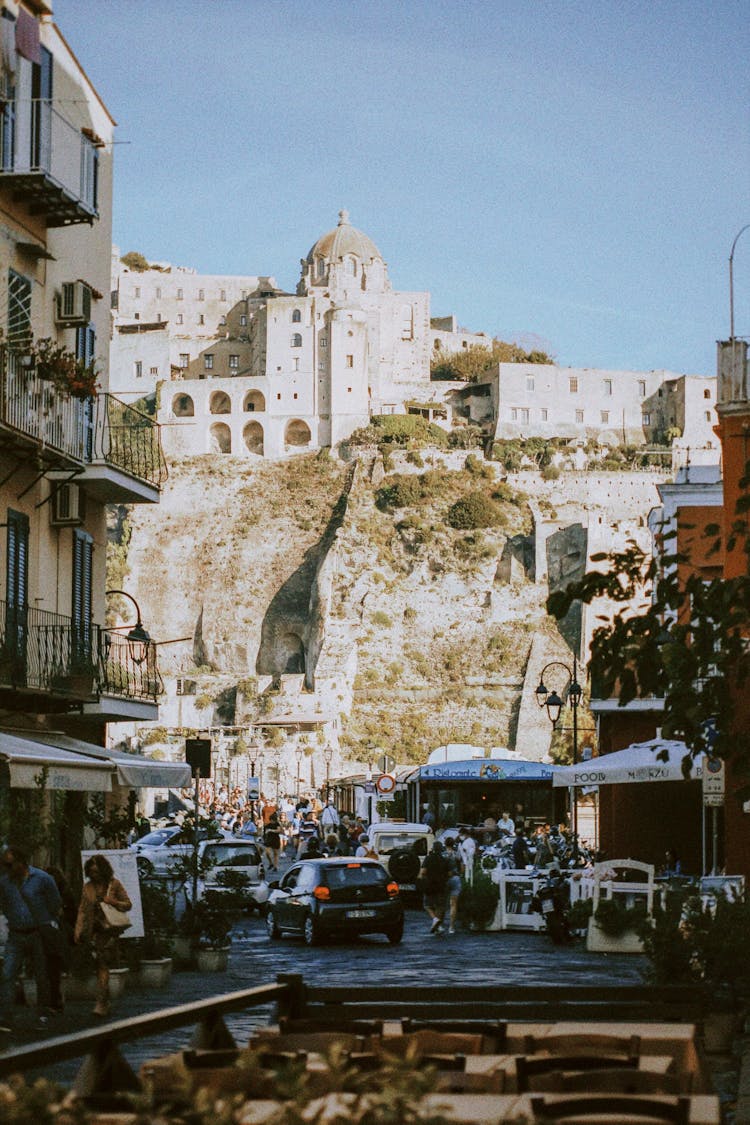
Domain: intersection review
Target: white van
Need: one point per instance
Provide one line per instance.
(401, 847)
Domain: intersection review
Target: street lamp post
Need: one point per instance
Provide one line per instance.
(731, 280)
(327, 756)
(554, 704)
(138, 637)
(298, 754)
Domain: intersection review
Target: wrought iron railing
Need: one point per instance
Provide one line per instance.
(35, 408)
(48, 652)
(127, 438)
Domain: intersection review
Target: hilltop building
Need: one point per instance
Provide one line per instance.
(248, 369)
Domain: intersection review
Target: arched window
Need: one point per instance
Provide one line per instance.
(220, 438)
(350, 266)
(437, 345)
(220, 403)
(296, 340)
(254, 401)
(320, 269)
(296, 316)
(297, 434)
(182, 406)
(253, 437)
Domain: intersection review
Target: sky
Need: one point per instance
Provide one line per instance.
(567, 173)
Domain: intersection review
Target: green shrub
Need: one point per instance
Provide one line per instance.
(414, 457)
(551, 472)
(380, 618)
(473, 511)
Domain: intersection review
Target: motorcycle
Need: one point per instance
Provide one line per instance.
(552, 900)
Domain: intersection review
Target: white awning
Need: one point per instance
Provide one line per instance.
(131, 769)
(31, 764)
(638, 762)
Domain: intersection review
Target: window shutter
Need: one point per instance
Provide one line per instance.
(17, 584)
(83, 550)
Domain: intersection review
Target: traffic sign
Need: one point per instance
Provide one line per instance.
(386, 783)
(386, 763)
(713, 781)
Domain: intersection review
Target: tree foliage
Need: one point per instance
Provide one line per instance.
(689, 648)
(134, 260)
(470, 365)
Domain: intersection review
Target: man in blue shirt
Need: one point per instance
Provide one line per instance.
(31, 903)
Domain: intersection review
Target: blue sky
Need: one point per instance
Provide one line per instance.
(569, 171)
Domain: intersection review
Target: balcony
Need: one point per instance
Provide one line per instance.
(116, 448)
(51, 663)
(48, 162)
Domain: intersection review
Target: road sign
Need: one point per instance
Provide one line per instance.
(713, 781)
(386, 783)
(386, 763)
(370, 787)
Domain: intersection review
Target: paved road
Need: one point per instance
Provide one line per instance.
(471, 958)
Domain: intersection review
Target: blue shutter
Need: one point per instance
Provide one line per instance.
(83, 551)
(17, 594)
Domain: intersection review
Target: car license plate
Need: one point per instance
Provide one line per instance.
(547, 906)
(360, 913)
(407, 886)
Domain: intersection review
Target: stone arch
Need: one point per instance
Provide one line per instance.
(183, 406)
(254, 401)
(220, 403)
(290, 654)
(220, 438)
(297, 433)
(253, 438)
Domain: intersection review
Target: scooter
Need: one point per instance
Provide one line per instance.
(551, 901)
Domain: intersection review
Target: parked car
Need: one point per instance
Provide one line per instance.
(159, 850)
(325, 898)
(401, 847)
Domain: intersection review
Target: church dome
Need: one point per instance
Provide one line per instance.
(342, 240)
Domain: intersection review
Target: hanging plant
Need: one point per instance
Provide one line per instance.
(59, 366)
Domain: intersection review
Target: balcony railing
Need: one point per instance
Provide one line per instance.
(34, 408)
(101, 429)
(128, 439)
(50, 162)
(47, 653)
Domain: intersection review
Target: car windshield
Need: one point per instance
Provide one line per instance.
(153, 839)
(354, 875)
(229, 855)
(391, 841)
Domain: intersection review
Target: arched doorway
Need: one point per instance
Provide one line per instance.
(254, 402)
(183, 406)
(220, 438)
(220, 403)
(297, 434)
(253, 438)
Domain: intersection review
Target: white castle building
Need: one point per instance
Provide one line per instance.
(244, 368)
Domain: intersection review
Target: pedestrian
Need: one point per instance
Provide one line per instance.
(272, 843)
(57, 946)
(506, 825)
(100, 887)
(521, 857)
(307, 830)
(31, 903)
(454, 881)
(434, 882)
(329, 818)
(428, 816)
(467, 847)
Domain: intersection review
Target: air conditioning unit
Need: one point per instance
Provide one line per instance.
(74, 303)
(66, 507)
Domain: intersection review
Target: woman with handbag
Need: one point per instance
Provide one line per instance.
(102, 917)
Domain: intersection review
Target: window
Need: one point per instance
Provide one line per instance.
(529, 382)
(544, 413)
(223, 295)
(179, 294)
(324, 341)
(608, 386)
(295, 395)
(82, 634)
(525, 415)
(158, 318)
(136, 316)
(201, 318)
(234, 362)
(17, 579)
(208, 362)
(138, 368)
(707, 415)
(201, 295)
(86, 343)
(89, 172)
(573, 385)
(514, 414)
(243, 319)
(642, 388)
(706, 394)
(296, 340)
(350, 361)
(137, 291)
(295, 363)
(153, 370)
(158, 293)
(320, 267)
(19, 307)
(646, 418)
(184, 359)
(605, 417)
(278, 398)
(579, 416)
(321, 365)
(296, 316)
(179, 318)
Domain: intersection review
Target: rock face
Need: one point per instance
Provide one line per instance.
(322, 601)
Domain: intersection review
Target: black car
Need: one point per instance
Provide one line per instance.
(320, 898)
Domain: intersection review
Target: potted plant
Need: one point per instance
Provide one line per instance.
(55, 364)
(208, 923)
(478, 900)
(155, 961)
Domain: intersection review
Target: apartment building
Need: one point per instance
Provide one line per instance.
(68, 447)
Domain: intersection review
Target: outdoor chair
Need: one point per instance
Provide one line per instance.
(583, 1043)
(618, 1080)
(493, 1032)
(609, 1108)
(340, 1027)
(529, 1069)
